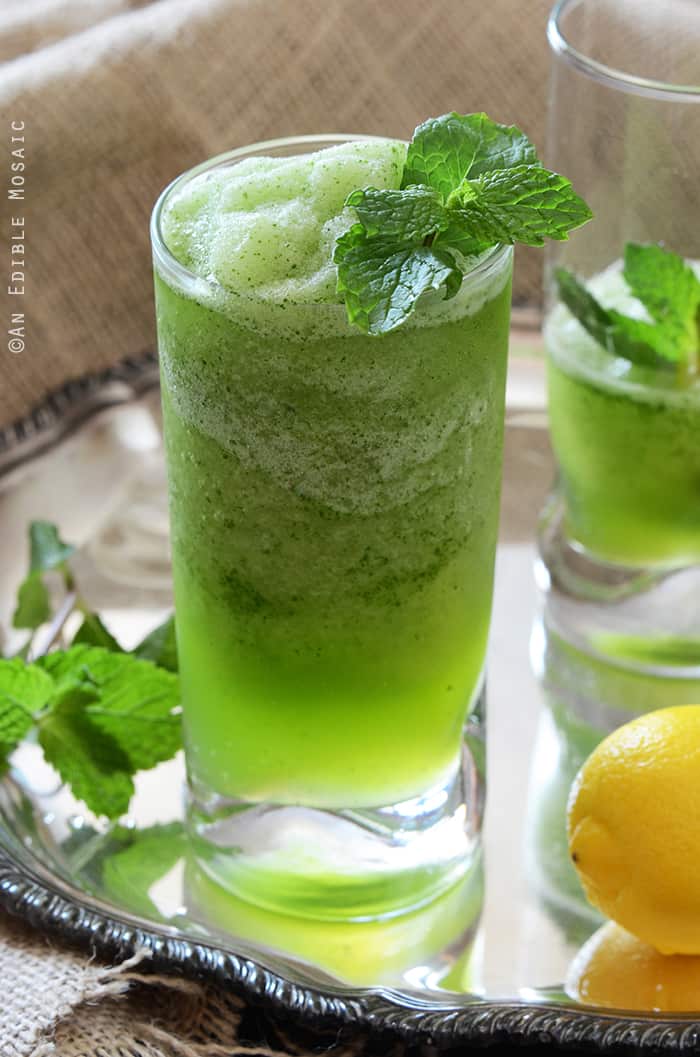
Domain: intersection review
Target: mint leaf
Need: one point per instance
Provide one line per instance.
(382, 281)
(458, 237)
(382, 278)
(68, 671)
(446, 150)
(641, 342)
(90, 761)
(635, 340)
(160, 646)
(33, 604)
(24, 690)
(619, 335)
(47, 549)
(468, 184)
(92, 632)
(128, 875)
(670, 291)
(47, 552)
(525, 204)
(407, 216)
(15, 724)
(132, 701)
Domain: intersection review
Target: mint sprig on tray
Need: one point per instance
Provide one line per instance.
(669, 290)
(468, 184)
(98, 712)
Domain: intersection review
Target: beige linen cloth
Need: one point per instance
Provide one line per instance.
(116, 98)
(119, 96)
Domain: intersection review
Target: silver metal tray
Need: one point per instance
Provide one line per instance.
(91, 461)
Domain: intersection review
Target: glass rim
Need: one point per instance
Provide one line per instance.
(627, 82)
(173, 268)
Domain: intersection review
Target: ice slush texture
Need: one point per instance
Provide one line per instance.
(267, 226)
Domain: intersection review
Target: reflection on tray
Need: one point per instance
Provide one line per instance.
(523, 945)
(144, 867)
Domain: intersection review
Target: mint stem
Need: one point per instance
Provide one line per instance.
(54, 630)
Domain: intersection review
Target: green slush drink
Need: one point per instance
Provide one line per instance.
(625, 438)
(334, 496)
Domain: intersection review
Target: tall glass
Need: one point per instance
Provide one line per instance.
(625, 124)
(619, 541)
(334, 505)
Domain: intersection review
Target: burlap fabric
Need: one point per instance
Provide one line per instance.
(117, 97)
(59, 1003)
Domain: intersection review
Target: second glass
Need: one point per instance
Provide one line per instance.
(619, 541)
(334, 510)
(625, 122)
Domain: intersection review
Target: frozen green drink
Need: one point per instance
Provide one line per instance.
(334, 496)
(333, 324)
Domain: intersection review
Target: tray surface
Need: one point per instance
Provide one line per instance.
(117, 889)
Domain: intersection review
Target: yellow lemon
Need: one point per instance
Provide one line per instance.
(634, 828)
(619, 971)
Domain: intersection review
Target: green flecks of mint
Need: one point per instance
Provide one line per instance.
(468, 184)
(98, 712)
(669, 290)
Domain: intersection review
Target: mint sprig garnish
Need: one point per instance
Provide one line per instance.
(631, 339)
(669, 290)
(468, 184)
(98, 712)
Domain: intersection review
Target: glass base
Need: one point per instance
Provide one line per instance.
(642, 619)
(436, 946)
(611, 643)
(341, 865)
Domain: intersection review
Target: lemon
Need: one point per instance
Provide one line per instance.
(617, 970)
(634, 828)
